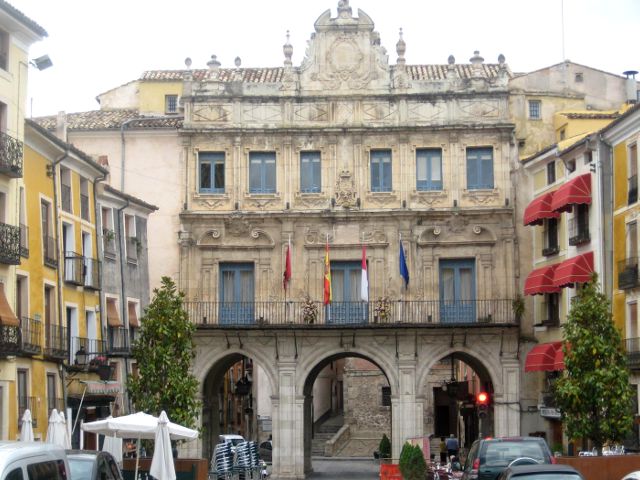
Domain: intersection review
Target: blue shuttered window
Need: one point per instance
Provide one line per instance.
(479, 168)
(262, 172)
(211, 172)
(380, 170)
(428, 169)
(310, 173)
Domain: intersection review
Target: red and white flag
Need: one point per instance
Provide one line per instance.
(364, 282)
(286, 276)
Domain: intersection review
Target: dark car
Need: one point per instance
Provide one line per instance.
(541, 472)
(265, 450)
(92, 465)
(489, 457)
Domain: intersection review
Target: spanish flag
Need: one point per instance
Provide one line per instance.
(327, 276)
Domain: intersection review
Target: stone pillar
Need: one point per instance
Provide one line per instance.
(506, 401)
(406, 409)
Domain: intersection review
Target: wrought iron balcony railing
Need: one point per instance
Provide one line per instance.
(10, 336)
(632, 347)
(84, 207)
(92, 348)
(49, 251)
(109, 242)
(118, 341)
(11, 156)
(578, 232)
(628, 273)
(56, 342)
(31, 331)
(377, 313)
(66, 197)
(30, 403)
(9, 244)
(24, 241)
(132, 249)
(92, 273)
(73, 268)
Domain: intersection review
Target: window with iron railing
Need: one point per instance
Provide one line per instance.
(24, 241)
(109, 242)
(66, 197)
(550, 236)
(579, 226)
(84, 207)
(73, 268)
(9, 244)
(628, 273)
(31, 332)
(49, 251)
(11, 156)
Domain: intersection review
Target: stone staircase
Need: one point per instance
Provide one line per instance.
(323, 432)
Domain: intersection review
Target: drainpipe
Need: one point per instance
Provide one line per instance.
(605, 163)
(123, 297)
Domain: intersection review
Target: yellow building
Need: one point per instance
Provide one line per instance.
(58, 282)
(17, 34)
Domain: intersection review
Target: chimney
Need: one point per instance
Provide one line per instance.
(61, 126)
(631, 86)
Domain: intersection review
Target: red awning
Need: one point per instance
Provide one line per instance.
(575, 270)
(542, 357)
(573, 192)
(558, 362)
(540, 281)
(538, 209)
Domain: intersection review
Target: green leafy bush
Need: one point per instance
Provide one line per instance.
(385, 447)
(412, 463)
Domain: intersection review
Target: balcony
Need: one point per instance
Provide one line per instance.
(73, 268)
(92, 273)
(433, 313)
(30, 403)
(92, 348)
(632, 189)
(118, 342)
(31, 331)
(9, 244)
(632, 347)
(10, 336)
(109, 243)
(49, 251)
(628, 273)
(11, 156)
(24, 241)
(578, 231)
(56, 342)
(66, 198)
(84, 207)
(133, 244)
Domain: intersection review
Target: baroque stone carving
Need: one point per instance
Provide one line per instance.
(457, 223)
(311, 200)
(314, 237)
(211, 113)
(481, 197)
(261, 203)
(262, 113)
(481, 108)
(477, 229)
(382, 199)
(211, 203)
(237, 225)
(315, 112)
(345, 190)
(375, 236)
(425, 111)
(380, 111)
(430, 198)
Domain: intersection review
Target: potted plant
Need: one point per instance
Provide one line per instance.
(382, 310)
(100, 365)
(518, 308)
(309, 311)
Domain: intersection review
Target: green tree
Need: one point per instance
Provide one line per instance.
(385, 447)
(164, 352)
(593, 394)
(412, 463)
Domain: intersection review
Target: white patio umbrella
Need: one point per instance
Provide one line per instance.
(67, 438)
(113, 445)
(162, 466)
(26, 430)
(138, 425)
(55, 430)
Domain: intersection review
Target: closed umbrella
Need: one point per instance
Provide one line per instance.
(26, 430)
(55, 430)
(162, 466)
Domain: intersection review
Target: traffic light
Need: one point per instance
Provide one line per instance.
(482, 402)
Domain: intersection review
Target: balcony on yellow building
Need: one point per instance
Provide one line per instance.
(9, 244)
(11, 156)
(56, 342)
(628, 273)
(49, 251)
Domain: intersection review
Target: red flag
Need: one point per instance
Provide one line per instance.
(327, 276)
(286, 276)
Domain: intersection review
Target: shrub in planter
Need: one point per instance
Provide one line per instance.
(412, 463)
(385, 447)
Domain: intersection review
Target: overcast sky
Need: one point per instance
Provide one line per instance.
(96, 45)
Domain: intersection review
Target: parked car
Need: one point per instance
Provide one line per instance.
(541, 472)
(232, 439)
(32, 460)
(632, 476)
(92, 465)
(265, 449)
(489, 457)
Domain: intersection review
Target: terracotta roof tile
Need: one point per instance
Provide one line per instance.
(109, 120)
(593, 115)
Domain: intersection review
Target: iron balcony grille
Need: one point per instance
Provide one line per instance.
(381, 312)
(632, 347)
(109, 242)
(9, 244)
(56, 342)
(49, 251)
(31, 330)
(74, 268)
(119, 340)
(628, 273)
(84, 207)
(66, 197)
(9, 340)
(92, 347)
(132, 249)
(578, 232)
(92, 273)
(11, 156)
(551, 246)
(24, 241)
(30, 403)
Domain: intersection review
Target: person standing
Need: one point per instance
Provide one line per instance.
(452, 446)
(443, 450)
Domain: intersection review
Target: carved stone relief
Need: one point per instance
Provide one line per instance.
(479, 108)
(481, 197)
(311, 200)
(317, 112)
(236, 225)
(261, 113)
(382, 199)
(212, 113)
(314, 237)
(426, 111)
(210, 203)
(344, 112)
(431, 199)
(380, 111)
(346, 190)
(457, 223)
(261, 203)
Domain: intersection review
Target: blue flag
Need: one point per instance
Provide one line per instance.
(404, 271)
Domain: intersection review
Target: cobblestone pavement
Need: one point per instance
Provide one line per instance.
(344, 469)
